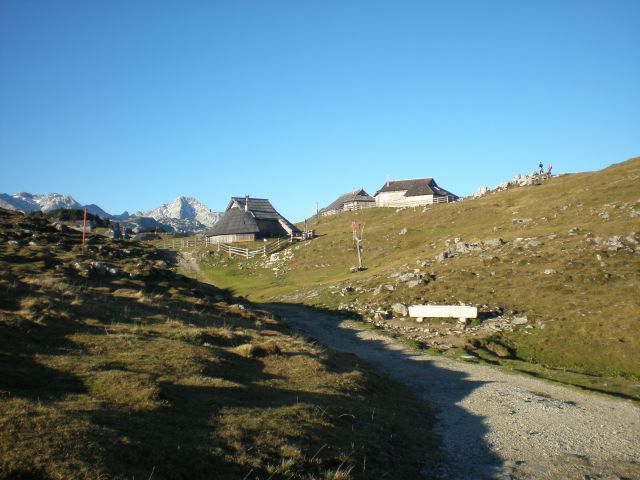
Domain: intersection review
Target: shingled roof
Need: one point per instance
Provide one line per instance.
(234, 221)
(242, 216)
(260, 207)
(415, 187)
(354, 196)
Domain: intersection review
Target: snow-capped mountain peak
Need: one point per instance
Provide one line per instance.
(184, 208)
(27, 202)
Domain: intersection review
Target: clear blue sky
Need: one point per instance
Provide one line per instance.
(129, 104)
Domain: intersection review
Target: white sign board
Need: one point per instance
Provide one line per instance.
(443, 311)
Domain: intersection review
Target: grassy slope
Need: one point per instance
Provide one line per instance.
(145, 374)
(589, 310)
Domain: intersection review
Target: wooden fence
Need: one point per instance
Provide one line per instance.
(232, 250)
(266, 249)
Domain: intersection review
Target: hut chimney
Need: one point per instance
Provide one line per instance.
(387, 180)
(246, 203)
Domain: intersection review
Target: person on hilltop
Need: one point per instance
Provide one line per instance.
(549, 167)
(541, 168)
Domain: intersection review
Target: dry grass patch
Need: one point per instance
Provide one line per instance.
(145, 376)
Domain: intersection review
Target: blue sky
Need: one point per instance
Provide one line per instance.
(129, 104)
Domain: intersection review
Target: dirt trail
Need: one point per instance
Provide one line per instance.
(494, 424)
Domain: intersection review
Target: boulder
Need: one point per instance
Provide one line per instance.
(400, 309)
(483, 190)
(407, 277)
(494, 242)
(441, 257)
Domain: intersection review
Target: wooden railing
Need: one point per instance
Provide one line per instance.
(266, 249)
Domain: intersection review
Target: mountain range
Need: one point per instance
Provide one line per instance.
(184, 214)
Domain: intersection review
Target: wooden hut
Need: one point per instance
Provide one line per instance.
(412, 193)
(355, 200)
(247, 219)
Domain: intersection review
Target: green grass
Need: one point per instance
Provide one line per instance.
(585, 315)
(147, 374)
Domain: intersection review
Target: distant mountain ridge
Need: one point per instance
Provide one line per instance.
(27, 202)
(184, 210)
(184, 214)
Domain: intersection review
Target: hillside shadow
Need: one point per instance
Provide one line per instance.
(468, 456)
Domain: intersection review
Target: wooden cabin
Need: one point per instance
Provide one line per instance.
(412, 193)
(355, 200)
(247, 219)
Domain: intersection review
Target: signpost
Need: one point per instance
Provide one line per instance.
(84, 230)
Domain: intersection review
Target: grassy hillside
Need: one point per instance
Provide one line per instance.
(112, 366)
(563, 253)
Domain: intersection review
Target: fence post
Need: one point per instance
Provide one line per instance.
(264, 250)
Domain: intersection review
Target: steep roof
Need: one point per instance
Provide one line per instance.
(354, 196)
(415, 187)
(234, 221)
(260, 207)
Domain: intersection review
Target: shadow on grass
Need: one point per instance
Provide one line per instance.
(462, 433)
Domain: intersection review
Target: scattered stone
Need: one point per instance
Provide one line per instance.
(574, 231)
(614, 244)
(381, 315)
(521, 220)
(494, 242)
(391, 288)
(550, 271)
(441, 257)
(400, 309)
(403, 231)
(413, 283)
(483, 190)
(520, 320)
(407, 277)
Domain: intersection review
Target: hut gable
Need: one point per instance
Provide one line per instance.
(247, 219)
(355, 200)
(413, 192)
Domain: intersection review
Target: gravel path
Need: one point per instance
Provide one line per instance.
(493, 424)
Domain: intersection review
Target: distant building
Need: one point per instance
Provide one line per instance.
(355, 200)
(247, 219)
(412, 193)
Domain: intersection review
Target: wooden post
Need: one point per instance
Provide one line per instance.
(357, 242)
(264, 250)
(84, 229)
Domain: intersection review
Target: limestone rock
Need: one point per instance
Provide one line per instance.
(400, 309)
